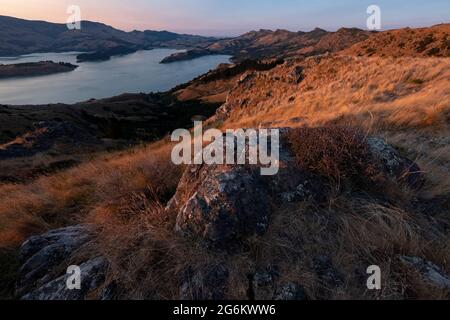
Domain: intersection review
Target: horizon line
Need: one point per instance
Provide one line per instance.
(308, 29)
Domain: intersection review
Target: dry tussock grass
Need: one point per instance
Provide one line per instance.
(375, 91)
(335, 152)
(67, 197)
(353, 233)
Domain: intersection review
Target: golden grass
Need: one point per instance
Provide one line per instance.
(374, 91)
(67, 197)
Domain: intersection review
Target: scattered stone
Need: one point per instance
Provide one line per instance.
(290, 291)
(246, 77)
(263, 284)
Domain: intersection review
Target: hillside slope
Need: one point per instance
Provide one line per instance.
(278, 44)
(421, 42)
(19, 36)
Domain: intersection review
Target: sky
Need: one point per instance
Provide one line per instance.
(233, 17)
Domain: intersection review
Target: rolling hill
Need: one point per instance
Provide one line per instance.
(278, 44)
(19, 36)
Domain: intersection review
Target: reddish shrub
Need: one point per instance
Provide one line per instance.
(334, 152)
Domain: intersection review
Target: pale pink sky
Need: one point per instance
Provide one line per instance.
(231, 17)
(120, 14)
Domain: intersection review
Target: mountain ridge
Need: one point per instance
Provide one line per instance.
(20, 36)
(279, 43)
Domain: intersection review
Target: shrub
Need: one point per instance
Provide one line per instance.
(334, 152)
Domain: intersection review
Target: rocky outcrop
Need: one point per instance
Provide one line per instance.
(92, 276)
(41, 275)
(226, 204)
(222, 204)
(394, 165)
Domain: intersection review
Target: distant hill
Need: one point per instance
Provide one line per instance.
(19, 36)
(422, 42)
(279, 44)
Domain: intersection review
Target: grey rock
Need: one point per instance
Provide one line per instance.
(263, 283)
(92, 276)
(246, 77)
(297, 75)
(290, 291)
(428, 271)
(226, 203)
(222, 204)
(398, 168)
(41, 254)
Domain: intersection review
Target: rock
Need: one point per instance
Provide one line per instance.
(290, 291)
(428, 271)
(263, 284)
(297, 75)
(223, 204)
(220, 204)
(92, 276)
(246, 77)
(40, 254)
(209, 283)
(397, 167)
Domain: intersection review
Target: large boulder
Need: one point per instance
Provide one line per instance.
(92, 277)
(222, 204)
(41, 275)
(226, 203)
